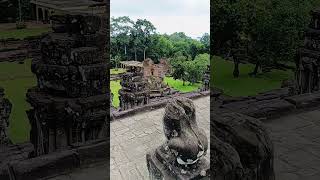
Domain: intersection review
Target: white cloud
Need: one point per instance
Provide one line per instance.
(189, 16)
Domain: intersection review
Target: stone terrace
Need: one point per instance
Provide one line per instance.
(131, 139)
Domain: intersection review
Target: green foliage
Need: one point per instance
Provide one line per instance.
(138, 40)
(187, 69)
(116, 61)
(272, 30)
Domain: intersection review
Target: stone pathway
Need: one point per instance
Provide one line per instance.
(131, 139)
(296, 140)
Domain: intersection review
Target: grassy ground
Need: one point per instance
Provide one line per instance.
(178, 85)
(245, 85)
(115, 87)
(16, 79)
(117, 71)
(22, 33)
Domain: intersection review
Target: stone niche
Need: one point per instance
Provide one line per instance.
(183, 155)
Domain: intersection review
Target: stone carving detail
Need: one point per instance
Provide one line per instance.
(241, 148)
(307, 59)
(182, 156)
(134, 91)
(70, 102)
(5, 110)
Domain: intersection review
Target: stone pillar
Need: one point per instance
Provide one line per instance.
(183, 155)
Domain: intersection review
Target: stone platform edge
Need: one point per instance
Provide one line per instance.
(57, 163)
(275, 107)
(156, 105)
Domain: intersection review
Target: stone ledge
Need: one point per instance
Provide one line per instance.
(16, 164)
(270, 105)
(156, 105)
(44, 166)
(305, 101)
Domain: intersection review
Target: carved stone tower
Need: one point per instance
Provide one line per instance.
(70, 103)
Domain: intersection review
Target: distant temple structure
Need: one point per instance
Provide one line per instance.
(148, 67)
(43, 9)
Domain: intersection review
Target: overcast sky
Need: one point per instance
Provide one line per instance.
(189, 16)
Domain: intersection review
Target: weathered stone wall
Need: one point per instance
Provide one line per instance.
(155, 70)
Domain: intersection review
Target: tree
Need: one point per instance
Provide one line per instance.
(270, 30)
(7, 10)
(116, 61)
(205, 40)
(189, 70)
(139, 40)
(121, 28)
(178, 67)
(143, 30)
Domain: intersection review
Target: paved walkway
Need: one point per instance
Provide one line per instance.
(131, 139)
(297, 146)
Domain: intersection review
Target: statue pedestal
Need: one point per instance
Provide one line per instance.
(162, 165)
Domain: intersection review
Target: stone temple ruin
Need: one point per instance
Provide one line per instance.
(143, 82)
(70, 105)
(182, 155)
(134, 91)
(5, 110)
(70, 102)
(307, 61)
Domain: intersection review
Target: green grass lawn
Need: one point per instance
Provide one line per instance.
(22, 33)
(245, 85)
(16, 79)
(117, 71)
(178, 85)
(115, 87)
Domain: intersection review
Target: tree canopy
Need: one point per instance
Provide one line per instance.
(270, 30)
(138, 40)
